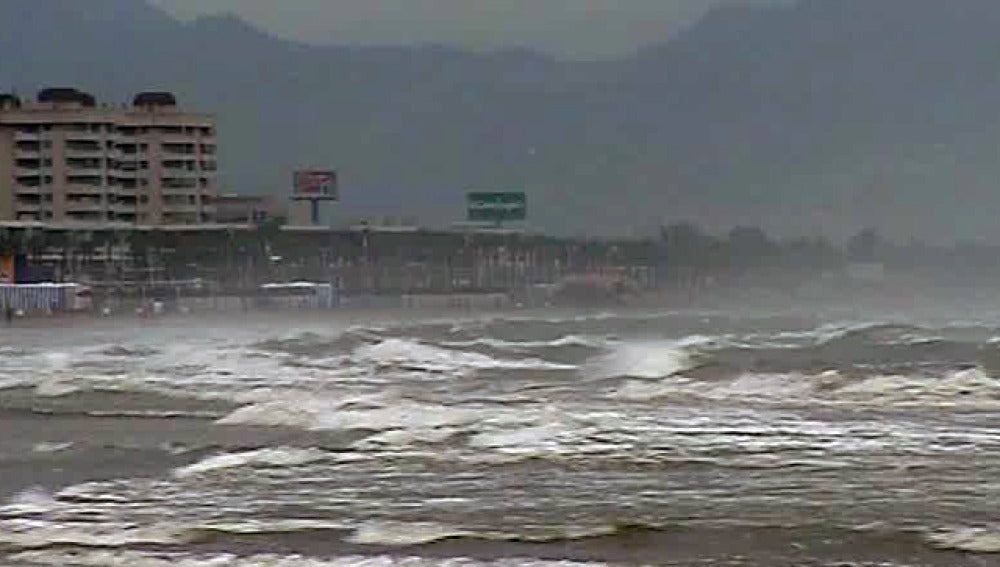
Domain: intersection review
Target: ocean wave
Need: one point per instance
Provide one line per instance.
(314, 344)
(275, 457)
(58, 387)
(52, 447)
(404, 353)
(646, 360)
(967, 539)
(337, 415)
(964, 387)
(32, 533)
(405, 534)
(500, 344)
(123, 351)
(104, 558)
(29, 502)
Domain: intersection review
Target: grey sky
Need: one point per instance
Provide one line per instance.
(564, 27)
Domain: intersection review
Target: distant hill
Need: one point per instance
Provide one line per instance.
(827, 115)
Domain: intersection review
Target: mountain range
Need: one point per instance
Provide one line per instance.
(824, 116)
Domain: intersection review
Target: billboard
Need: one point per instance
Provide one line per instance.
(316, 185)
(497, 207)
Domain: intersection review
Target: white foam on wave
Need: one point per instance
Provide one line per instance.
(31, 501)
(564, 341)
(533, 439)
(403, 533)
(105, 558)
(52, 447)
(57, 387)
(407, 353)
(277, 457)
(971, 387)
(28, 534)
(334, 415)
(778, 387)
(646, 359)
(961, 387)
(970, 540)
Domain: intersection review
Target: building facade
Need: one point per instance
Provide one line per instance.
(64, 159)
(248, 209)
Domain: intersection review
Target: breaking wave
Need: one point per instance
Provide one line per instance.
(644, 360)
(278, 457)
(971, 540)
(344, 415)
(967, 387)
(57, 558)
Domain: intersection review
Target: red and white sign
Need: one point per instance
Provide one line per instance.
(316, 185)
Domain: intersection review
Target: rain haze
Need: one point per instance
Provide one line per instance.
(505, 283)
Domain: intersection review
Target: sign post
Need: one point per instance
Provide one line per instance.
(497, 207)
(315, 186)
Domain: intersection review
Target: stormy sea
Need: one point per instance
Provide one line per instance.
(537, 438)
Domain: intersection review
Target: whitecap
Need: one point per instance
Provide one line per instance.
(332, 415)
(644, 360)
(103, 558)
(972, 540)
(404, 353)
(32, 501)
(27, 534)
(281, 457)
(51, 447)
(403, 534)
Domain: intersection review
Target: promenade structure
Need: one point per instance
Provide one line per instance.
(67, 160)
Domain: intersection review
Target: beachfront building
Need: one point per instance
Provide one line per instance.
(67, 160)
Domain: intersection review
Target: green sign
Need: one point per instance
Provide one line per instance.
(497, 207)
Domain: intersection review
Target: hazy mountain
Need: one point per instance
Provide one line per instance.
(831, 114)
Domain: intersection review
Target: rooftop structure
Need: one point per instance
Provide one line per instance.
(65, 159)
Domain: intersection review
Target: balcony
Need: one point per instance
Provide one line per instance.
(180, 209)
(180, 192)
(20, 136)
(81, 206)
(84, 189)
(123, 209)
(182, 149)
(27, 171)
(86, 218)
(78, 136)
(29, 189)
(27, 153)
(177, 138)
(178, 173)
(85, 172)
(22, 207)
(99, 153)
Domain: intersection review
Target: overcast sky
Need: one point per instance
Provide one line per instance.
(581, 28)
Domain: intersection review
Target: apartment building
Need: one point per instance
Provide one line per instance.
(64, 159)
